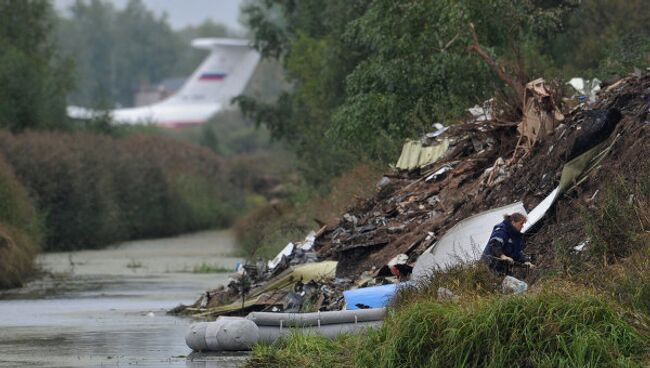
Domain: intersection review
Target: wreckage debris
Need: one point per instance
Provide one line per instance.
(600, 126)
(449, 188)
(511, 285)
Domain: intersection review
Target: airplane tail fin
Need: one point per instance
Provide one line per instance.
(221, 76)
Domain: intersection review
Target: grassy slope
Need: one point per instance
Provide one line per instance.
(588, 309)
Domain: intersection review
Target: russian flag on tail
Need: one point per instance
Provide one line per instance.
(212, 76)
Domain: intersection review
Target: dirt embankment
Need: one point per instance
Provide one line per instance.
(412, 210)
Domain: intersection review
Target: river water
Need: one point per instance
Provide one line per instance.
(106, 308)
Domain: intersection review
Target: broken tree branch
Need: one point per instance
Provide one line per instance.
(517, 85)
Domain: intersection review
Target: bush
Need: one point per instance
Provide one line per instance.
(94, 190)
(267, 229)
(19, 230)
(613, 226)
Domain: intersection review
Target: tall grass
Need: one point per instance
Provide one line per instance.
(94, 190)
(19, 230)
(546, 329)
(549, 329)
(300, 350)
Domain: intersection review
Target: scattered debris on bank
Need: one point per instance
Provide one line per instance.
(447, 190)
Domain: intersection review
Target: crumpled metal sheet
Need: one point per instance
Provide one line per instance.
(284, 253)
(571, 172)
(415, 155)
(306, 273)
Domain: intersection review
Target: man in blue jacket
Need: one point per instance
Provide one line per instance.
(506, 245)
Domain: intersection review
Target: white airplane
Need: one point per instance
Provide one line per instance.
(220, 77)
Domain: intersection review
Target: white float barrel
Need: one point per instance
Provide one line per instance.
(195, 337)
(224, 334)
(270, 334)
(237, 333)
(231, 334)
(317, 318)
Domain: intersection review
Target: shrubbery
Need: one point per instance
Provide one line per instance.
(92, 190)
(267, 229)
(19, 229)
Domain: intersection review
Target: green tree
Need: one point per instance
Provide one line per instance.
(116, 51)
(33, 80)
(87, 38)
(367, 73)
(307, 37)
(603, 37)
(422, 68)
(146, 49)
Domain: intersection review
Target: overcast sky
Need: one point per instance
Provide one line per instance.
(184, 12)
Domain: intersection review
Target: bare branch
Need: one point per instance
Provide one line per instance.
(517, 85)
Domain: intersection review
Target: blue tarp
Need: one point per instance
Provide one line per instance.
(369, 297)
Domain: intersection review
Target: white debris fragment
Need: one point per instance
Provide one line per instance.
(587, 88)
(511, 285)
(309, 241)
(286, 252)
(439, 130)
(350, 218)
(482, 113)
(398, 259)
(438, 173)
(383, 182)
(581, 246)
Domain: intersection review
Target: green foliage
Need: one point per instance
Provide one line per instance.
(299, 350)
(541, 330)
(265, 230)
(33, 81)
(463, 280)
(367, 74)
(145, 49)
(617, 222)
(419, 70)
(95, 190)
(306, 35)
(603, 37)
(614, 226)
(627, 282)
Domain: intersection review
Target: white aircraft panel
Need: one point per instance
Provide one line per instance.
(464, 242)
